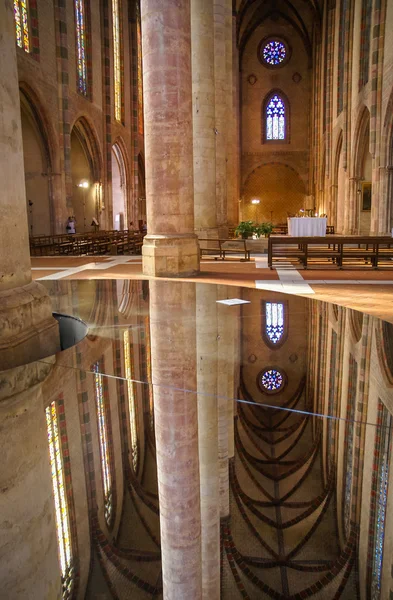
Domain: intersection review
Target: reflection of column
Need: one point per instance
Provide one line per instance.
(173, 354)
(202, 30)
(25, 309)
(206, 328)
(171, 246)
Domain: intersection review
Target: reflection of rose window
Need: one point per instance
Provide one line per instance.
(272, 380)
(274, 52)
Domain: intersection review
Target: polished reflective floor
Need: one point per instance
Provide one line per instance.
(259, 423)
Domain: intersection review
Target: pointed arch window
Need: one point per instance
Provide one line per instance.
(139, 71)
(379, 497)
(22, 26)
(57, 439)
(365, 35)
(129, 369)
(274, 323)
(117, 58)
(275, 118)
(104, 442)
(81, 46)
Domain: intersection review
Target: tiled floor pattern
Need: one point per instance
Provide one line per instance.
(367, 290)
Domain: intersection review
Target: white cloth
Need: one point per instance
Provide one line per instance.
(307, 226)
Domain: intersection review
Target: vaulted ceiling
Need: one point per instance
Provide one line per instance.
(302, 15)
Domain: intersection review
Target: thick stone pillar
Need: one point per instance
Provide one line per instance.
(171, 246)
(29, 565)
(203, 99)
(206, 331)
(223, 375)
(27, 329)
(173, 355)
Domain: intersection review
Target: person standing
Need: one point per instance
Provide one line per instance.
(70, 227)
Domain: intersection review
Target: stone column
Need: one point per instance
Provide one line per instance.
(351, 208)
(206, 332)
(27, 328)
(203, 99)
(171, 246)
(173, 356)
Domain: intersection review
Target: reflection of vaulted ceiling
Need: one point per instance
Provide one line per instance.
(301, 15)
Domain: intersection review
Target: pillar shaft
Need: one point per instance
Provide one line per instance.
(173, 354)
(206, 329)
(171, 246)
(202, 31)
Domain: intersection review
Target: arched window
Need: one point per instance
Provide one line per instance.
(379, 498)
(365, 31)
(275, 118)
(22, 27)
(81, 46)
(140, 73)
(117, 58)
(274, 323)
(57, 441)
(342, 44)
(103, 434)
(129, 368)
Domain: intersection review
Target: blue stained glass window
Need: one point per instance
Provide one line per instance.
(275, 118)
(272, 380)
(274, 325)
(274, 52)
(381, 501)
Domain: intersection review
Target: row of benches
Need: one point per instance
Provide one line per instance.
(340, 251)
(77, 244)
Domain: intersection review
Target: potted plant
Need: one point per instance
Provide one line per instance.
(245, 229)
(264, 229)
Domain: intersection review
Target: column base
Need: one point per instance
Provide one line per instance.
(28, 331)
(171, 255)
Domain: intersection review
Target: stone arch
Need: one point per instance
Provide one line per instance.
(362, 170)
(86, 167)
(120, 185)
(338, 196)
(280, 190)
(38, 163)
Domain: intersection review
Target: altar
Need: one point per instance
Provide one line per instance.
(307, 226)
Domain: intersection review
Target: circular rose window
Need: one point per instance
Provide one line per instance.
(273, 52)
(271, 380)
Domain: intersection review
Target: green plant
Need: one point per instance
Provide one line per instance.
(263, 229)
(244, 229)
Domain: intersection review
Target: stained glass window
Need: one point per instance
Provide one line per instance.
(274, 52)
(60, 496)
(22, 24)
(274, 321)
(81, 45)
(365, 34)
(272, 380)
(140, 75)
(275, 118)
(104, 443)
(381, 492)
(342, 42)
(129, 367)
(348, 451)
(116, 21)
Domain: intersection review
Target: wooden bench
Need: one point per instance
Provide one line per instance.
(79, 244)
(340, 251)
(222, 247)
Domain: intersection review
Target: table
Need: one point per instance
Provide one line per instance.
(307, 226)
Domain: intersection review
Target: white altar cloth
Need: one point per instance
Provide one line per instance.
(307, 226)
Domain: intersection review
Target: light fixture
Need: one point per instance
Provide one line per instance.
(83, 184)
(255, 201)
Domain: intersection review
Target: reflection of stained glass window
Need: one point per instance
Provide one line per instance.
(61, 506)
(81, 35)
(148, 368)
(275, 118)
(274, 52)
(381, 495)
(274, 325)
(140, 76)
(129, 367)
(331, 423)
(348, 451)
(272, 380)
(117, 57)
(104, 443)
(22, 24)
